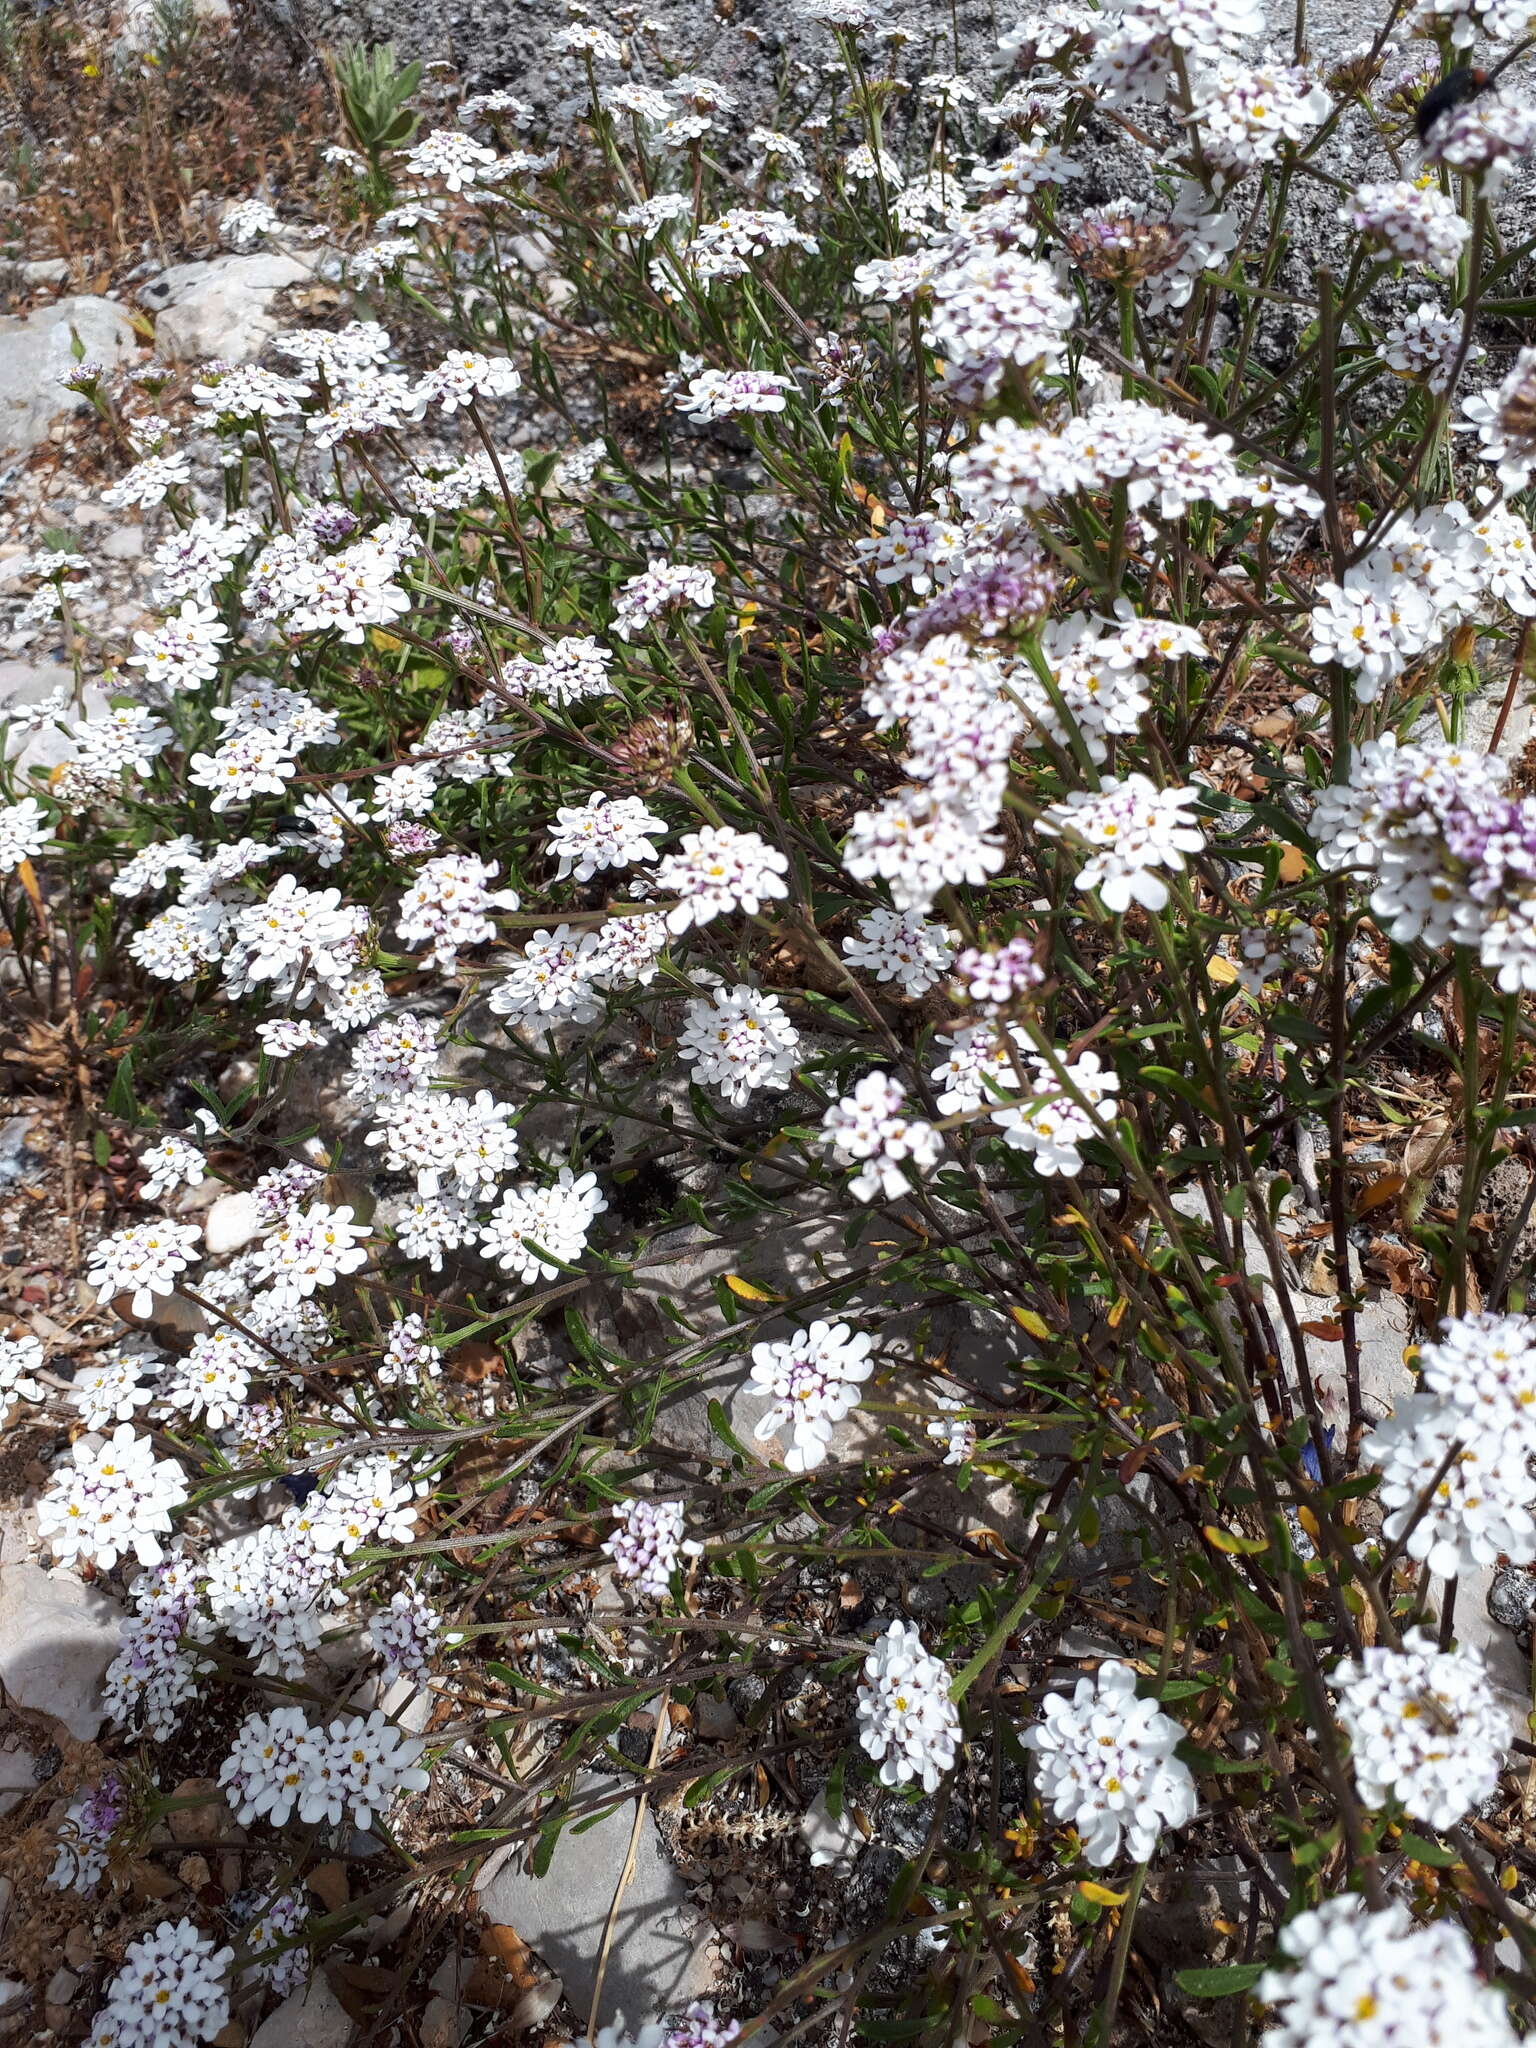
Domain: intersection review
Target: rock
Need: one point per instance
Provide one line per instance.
(233, 1222)
(35, 352)
(126, 544)
(57, 1637)
(142, 27)
(657, 1961)
(24, 683)
(1512, 1601)
(17, 1159)
(443, 2025)
(311, 2018)
(220, 308)
(206, 1820)
(62, 1986)
(715, 1719)
(827, 1840)
(18, 1776)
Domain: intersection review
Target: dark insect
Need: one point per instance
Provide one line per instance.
(1455, 87)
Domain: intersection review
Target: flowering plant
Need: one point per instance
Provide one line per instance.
(826, 1018)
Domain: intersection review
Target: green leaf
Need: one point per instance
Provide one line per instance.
(120, 1101)
(1223, 1982)
(1434, 1853)
(723, 1430)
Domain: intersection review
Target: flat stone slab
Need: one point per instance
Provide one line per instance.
(36, 352)
(57, 1637)
(221, 308)
(657, 1962)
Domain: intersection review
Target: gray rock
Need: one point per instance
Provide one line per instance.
(220, 308)
(18, 1775)
(35, 352)
(23, 683)
(311, 2018)
(1512, 1601)
(657, 1961)
(57, 1637)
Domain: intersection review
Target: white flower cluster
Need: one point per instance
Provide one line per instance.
(172, 1988)
(939, 827)
(811, 1380)
(907, 1721)
(1107, 1766)
(648, 1544)
(869, 1129)
(1134, 833)
(353, 1768)
(1377, 1980)
(1463, 1448)
(1425, 1727)
(1454, 856)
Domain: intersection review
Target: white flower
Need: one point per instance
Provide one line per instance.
(24, 832)
(310, 1249)
(357, 1767)
(1486, 1366)
(726, 394)
(214, 1379)
(282, 1037)
(461, 378)
(902, 946)
(143, 1261)
(993, 310)
(85, 1837)
(1055, 1123)
(247, 392)
(530, 1221)
(1425, 1726)
(1376, 1980)
(1371, 625)
(410, 1354)
(450, 155)
(274, 1939)
(555, 979)
(1133, 830)
(171, 1990)
(869, 1128)
(114, 1497)
(112, 1389)
(648, 1543)
(148, 482)
(812, 1380)
(661, 587)
(20, 1359)
(1107, 1765)
(172, 1162)
(718, 869)
(469, 1141)
(447, 907)
(1479, 1509)
(573, 668)
(907, 1720)
(405, 1635)
(429, 1225)
(604, 832)
(954, 1429)
(739, 1040)
(246, 222)
(262, 1774)
(398, 1055)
